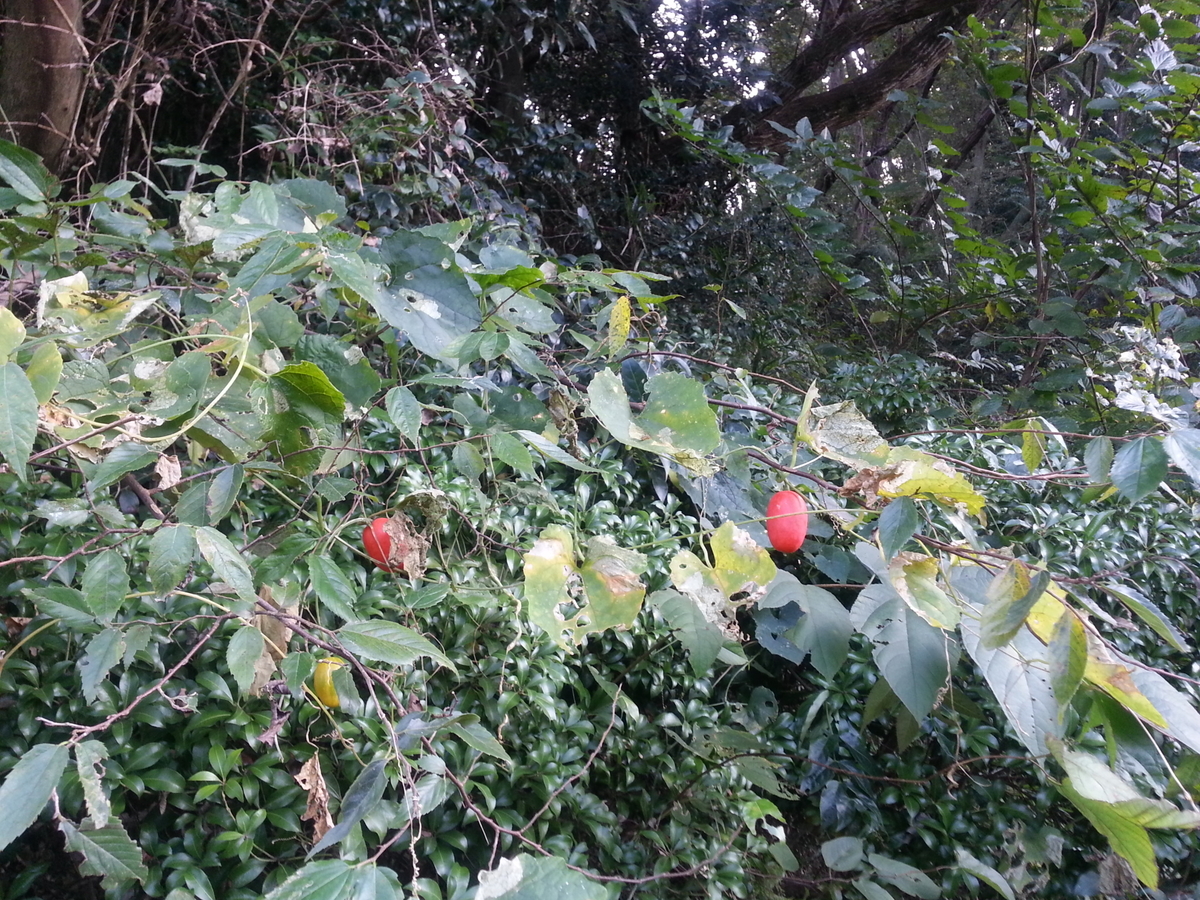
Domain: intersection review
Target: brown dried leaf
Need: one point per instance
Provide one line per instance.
(311, 780)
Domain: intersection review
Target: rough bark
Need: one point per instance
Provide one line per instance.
(41, 74)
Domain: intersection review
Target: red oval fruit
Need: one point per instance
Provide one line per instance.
(787, 521)
(378, 544)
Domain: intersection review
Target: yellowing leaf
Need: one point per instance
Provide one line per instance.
(910, 473)
(618, 326)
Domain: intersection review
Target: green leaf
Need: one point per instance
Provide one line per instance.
(12, 332)
(360, 798)
(128, 456)
(242, 655)
(389, 642)
(553, 451)
(24, 172)
(28, 787)
(897, 523)
(172, 549)
(871, 890)
(305, 410)
(677, 421)
(479, 738)
(824, 628)
(912, 655)
(1139, 467)
(1145, 610)
(357, 274)
(326, 879)
(105, 584)
(333, 588)
(103, 652)
(525, 877)
(18, 417)
(223, 492)
(510, 451)
(405, 412)
(89, 758)
(915, 577)
(700, 638)
(843, 854)
(1066, 656)
(910, 880)
(1011, 596)
(1183, 447)
(44, 371)
(1016, 672)
(984, 873)
(107, 852)
(1128, 840)
(1098, 458)
(468, 460)
(227, 564)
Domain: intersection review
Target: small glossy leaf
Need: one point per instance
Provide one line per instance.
(24, 172)
(1149, 613)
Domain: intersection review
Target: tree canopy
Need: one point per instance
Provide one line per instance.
(392, 399)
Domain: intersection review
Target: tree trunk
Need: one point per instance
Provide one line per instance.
(42, 65)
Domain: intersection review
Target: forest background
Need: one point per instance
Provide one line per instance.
(554, 297)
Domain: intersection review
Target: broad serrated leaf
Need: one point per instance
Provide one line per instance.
(897, 524)
(526, 877)
(242, 655)
(1183, 447)
(107, 852)
(405, 412)
(360, 798)
(510, 451)
(227, 564)
(172, 549)
(333, 588)
(1098, 458)
(103, 652)
(388, 642)
(125, 457)
(1139, 467)
(105, 583)
(18, 417)
(326, 879)
(89, 758)
(479, 738)
(28, 786)
(24, 172)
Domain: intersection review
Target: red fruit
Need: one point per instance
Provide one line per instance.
(378, 544)
(787, 521)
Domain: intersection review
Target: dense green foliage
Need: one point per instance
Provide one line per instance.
(592, 679)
